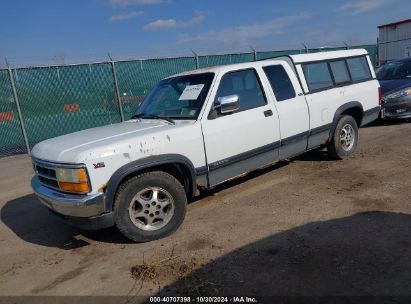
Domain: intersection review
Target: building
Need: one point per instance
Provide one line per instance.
(394, 41)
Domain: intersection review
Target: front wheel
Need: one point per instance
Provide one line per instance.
(345, 138)
(150, 206)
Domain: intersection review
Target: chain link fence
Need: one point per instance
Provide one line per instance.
(11, 136)
(136, 78)
(57, 100)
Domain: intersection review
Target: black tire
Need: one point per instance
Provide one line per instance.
(132, 187)
(335, 147)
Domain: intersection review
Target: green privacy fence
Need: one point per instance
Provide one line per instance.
(57, 100)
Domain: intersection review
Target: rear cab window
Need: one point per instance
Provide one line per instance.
(280, 82)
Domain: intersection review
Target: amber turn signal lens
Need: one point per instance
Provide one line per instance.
(82, 176)
(73, 180)
(74, 187)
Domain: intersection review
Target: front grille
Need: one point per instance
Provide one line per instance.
(47, 172)
(46, 175)
(48, 182)
(396, 109)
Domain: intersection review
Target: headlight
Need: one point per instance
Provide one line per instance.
(398, 94)
(73, 180)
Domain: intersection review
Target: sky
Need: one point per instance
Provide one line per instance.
(72, 31)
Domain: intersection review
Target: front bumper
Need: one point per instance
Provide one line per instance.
(83, 211)
(396, 109)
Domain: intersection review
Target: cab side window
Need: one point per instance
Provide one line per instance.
(246, 85)
(280, 82)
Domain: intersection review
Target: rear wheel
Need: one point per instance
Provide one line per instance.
(150, 206)
(345, 138)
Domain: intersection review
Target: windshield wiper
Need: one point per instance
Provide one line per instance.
(151, 116)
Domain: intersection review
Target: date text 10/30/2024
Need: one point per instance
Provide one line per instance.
(238, 299)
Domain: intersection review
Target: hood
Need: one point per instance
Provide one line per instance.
(393, 85)
(68, 148)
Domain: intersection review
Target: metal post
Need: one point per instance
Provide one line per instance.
(117, 92)
(255, 52)
(16, 99)
(196, 57)
(346, 45)
(305, 47)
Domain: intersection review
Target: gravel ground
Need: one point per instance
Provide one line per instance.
(307, 226)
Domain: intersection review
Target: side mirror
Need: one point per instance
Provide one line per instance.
(228, 104)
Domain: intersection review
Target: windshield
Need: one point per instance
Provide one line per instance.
(180, 97)
(395, 70)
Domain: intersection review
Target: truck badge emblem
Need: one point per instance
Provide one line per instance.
(99, 165)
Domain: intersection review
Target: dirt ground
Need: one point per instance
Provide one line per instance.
(308, 226)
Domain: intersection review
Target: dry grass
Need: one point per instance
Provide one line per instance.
(194, 285)
(189, 284)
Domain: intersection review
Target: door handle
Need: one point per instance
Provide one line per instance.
(268, 113)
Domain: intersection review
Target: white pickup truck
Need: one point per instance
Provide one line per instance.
(201, 128)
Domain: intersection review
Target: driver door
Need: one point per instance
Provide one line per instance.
(248, 137)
